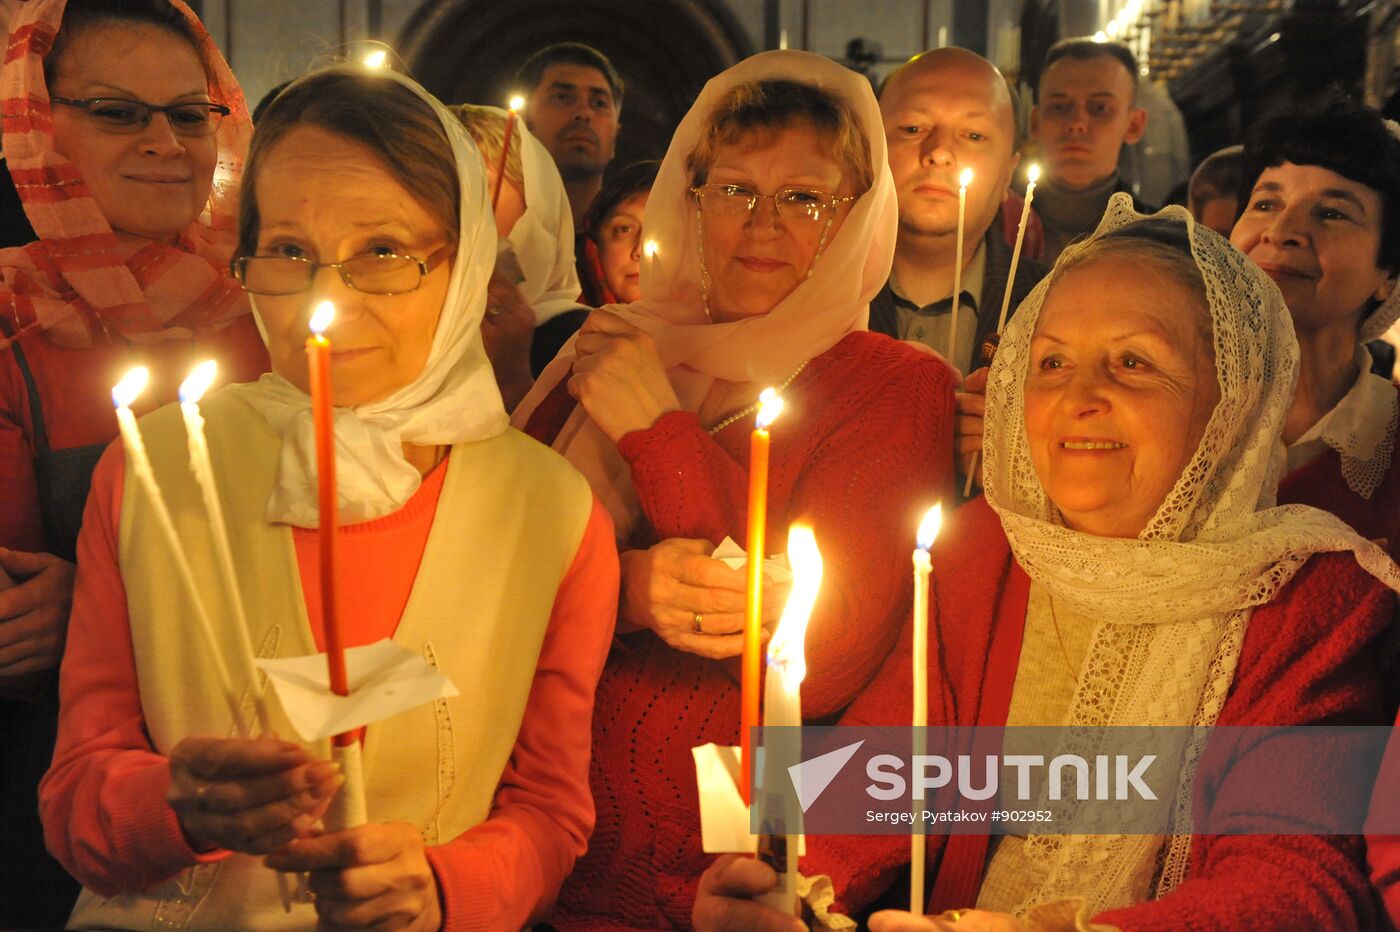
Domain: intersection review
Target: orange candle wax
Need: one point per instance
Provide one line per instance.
(515, 104)
(318, 358)
(770, 405)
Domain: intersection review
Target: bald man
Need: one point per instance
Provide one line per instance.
(945, 111)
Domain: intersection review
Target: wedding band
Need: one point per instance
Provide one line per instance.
(494, 311)
(695, 623)
(951, 915)
(200, 792)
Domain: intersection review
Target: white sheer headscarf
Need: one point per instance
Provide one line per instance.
(453, 400)
(1175, 601)
(543, 237)
(833, 301)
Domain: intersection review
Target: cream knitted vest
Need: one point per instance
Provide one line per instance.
(508, 524)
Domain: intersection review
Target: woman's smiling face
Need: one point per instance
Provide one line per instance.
(1121, 385)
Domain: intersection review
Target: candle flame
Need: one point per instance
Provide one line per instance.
(1033, 173)
(131, 386)
(322, 317)
(377, 58)
(770, 405)
(930, 526)
(202, 376)
(965, 178)
(650, 249)
(516, 102)
(786, 651)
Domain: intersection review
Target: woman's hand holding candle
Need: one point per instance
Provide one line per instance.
(724, 901)
(618, 376)
(667, 586)
(374, 875)
(252, 796)
(507, 330)
(971, 398)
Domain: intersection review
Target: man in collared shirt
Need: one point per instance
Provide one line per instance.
(945, 111)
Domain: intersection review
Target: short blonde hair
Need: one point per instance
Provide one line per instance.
(759, 106)
(488, 128)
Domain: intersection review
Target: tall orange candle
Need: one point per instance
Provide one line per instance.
(515, 104)
(318, 358)
(770, 405)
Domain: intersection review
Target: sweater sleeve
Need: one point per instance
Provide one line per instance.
(687, 483)
(103, 803)
(506, 872)
(1315, 664)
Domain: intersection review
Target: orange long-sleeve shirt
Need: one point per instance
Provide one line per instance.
(103, 800)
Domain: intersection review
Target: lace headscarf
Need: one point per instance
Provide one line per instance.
(833, 301)
(1175, 601)
(453, 400)
(77, 280)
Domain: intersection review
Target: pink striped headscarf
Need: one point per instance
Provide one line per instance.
(77, 281)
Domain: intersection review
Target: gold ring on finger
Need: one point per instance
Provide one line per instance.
(695, 620)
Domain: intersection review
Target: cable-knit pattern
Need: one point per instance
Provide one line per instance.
(862, 447)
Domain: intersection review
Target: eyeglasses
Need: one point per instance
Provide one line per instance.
(116, 115)
(791, 203)
(374, 273)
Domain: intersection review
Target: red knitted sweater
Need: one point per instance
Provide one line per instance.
(863, 446)
(1309, 657)
(1320, 484)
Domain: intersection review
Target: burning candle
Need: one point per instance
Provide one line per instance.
(782, 707)
(318, 357)
(770, 405)
(191, 391)
(963, 181)
(1033, 175)
(124, 393)
(928, 530)
(376, 58)
(516, 103)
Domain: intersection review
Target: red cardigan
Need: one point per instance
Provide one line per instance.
(1309, 657)
(1320, 484)
(863, 446)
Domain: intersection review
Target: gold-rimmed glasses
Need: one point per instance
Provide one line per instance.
(372, 273)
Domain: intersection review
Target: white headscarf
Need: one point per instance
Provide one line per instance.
(1180, 595)
(833, 301)
(543, 237)
(453, 400)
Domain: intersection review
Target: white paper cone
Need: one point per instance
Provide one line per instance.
(347, 809)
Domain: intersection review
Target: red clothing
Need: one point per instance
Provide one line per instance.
(862, 447)
(75, 399)
(1320, 484)
(1309, 657)
(104, 798)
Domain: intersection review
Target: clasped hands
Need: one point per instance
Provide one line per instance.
(267, 797)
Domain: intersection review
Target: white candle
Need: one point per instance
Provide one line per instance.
(963, 181)
(787, 667)
(928, 531)
(123, 394)
(191, 391)
(1033, 175)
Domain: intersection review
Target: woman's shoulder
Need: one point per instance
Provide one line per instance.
(873, 360)
(1331, 604)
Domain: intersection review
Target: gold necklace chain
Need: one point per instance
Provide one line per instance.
(754, 407)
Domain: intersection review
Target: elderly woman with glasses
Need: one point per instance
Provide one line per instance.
(463, 542)
(124, 132)
(774, 218)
